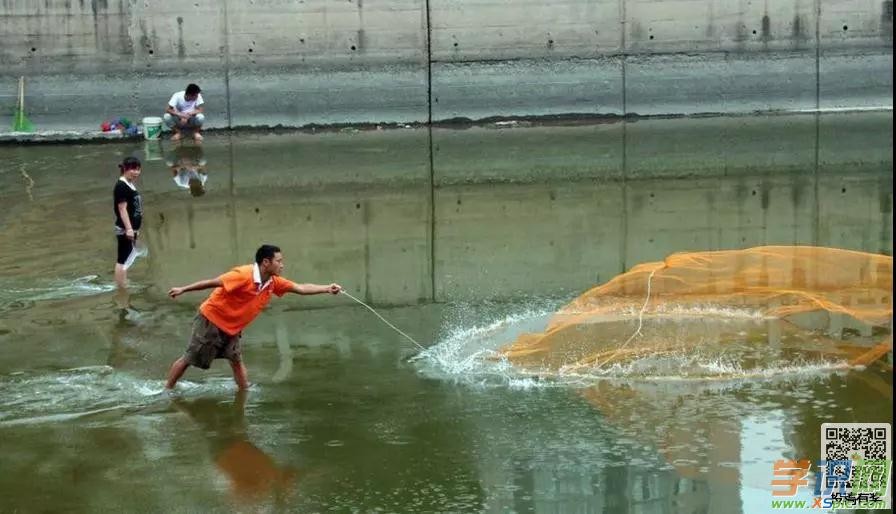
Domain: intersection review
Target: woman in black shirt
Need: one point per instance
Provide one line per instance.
(128, 207)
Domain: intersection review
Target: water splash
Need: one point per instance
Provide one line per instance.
(685, 368)
(58, 289)
(470, 354)
(464, 349)
(61, 395)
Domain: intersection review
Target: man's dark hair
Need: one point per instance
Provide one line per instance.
(193, 89)
(265, 252)
(129, 163)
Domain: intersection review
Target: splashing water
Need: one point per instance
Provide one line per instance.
(59, 289)
(470, 354)
(734, 347)
(54, 396)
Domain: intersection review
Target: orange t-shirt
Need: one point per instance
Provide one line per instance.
(238, 301)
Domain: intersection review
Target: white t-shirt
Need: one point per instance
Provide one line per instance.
(181, 105)
(184, 176)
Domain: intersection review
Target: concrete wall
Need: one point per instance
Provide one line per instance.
(294, 63)
(496, 213)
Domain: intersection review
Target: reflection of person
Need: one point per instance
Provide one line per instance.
(128, 208)
(239, 296)
(188, 169)
(661, 427)
(253, 475)
(185, 112)
(126, 339)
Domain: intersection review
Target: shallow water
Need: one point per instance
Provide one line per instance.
(346, 415)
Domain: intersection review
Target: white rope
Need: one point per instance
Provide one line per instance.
(411, 339)
(640, 319)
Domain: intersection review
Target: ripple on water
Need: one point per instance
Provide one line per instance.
(16, 297)
(60, 395)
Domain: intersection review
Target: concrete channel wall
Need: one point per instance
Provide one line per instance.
(301, 62)
(494, 213)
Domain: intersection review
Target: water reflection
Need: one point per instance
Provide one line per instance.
(671, 447)
(188, 167)
(495, 214)
(428, 235)
(252, 475)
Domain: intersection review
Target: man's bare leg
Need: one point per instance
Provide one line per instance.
(195, 127)
(240, 375)
(177, 129)
(177, 370)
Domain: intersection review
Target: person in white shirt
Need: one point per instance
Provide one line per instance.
(185, 112)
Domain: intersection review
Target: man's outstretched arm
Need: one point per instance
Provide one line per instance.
(174, 292)
(315, 289)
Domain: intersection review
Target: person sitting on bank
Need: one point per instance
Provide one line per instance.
(185, 112)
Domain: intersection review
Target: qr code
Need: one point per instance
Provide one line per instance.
(855, 463)
(854, 441)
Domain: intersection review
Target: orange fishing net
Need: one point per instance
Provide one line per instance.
(693, 301)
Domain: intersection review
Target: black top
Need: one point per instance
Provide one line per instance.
(124, 193)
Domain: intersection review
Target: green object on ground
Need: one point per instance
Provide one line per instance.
(20, 122)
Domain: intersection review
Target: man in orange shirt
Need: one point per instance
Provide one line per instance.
(239, 296)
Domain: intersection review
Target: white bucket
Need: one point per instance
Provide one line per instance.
(152, 128)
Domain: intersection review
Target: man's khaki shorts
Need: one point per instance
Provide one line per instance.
(208, 342)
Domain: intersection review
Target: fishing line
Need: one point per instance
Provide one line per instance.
(640, 320)
(409, 338)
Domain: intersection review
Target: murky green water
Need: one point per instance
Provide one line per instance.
(459, 247)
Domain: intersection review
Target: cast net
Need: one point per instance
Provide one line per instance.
(722, 312)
